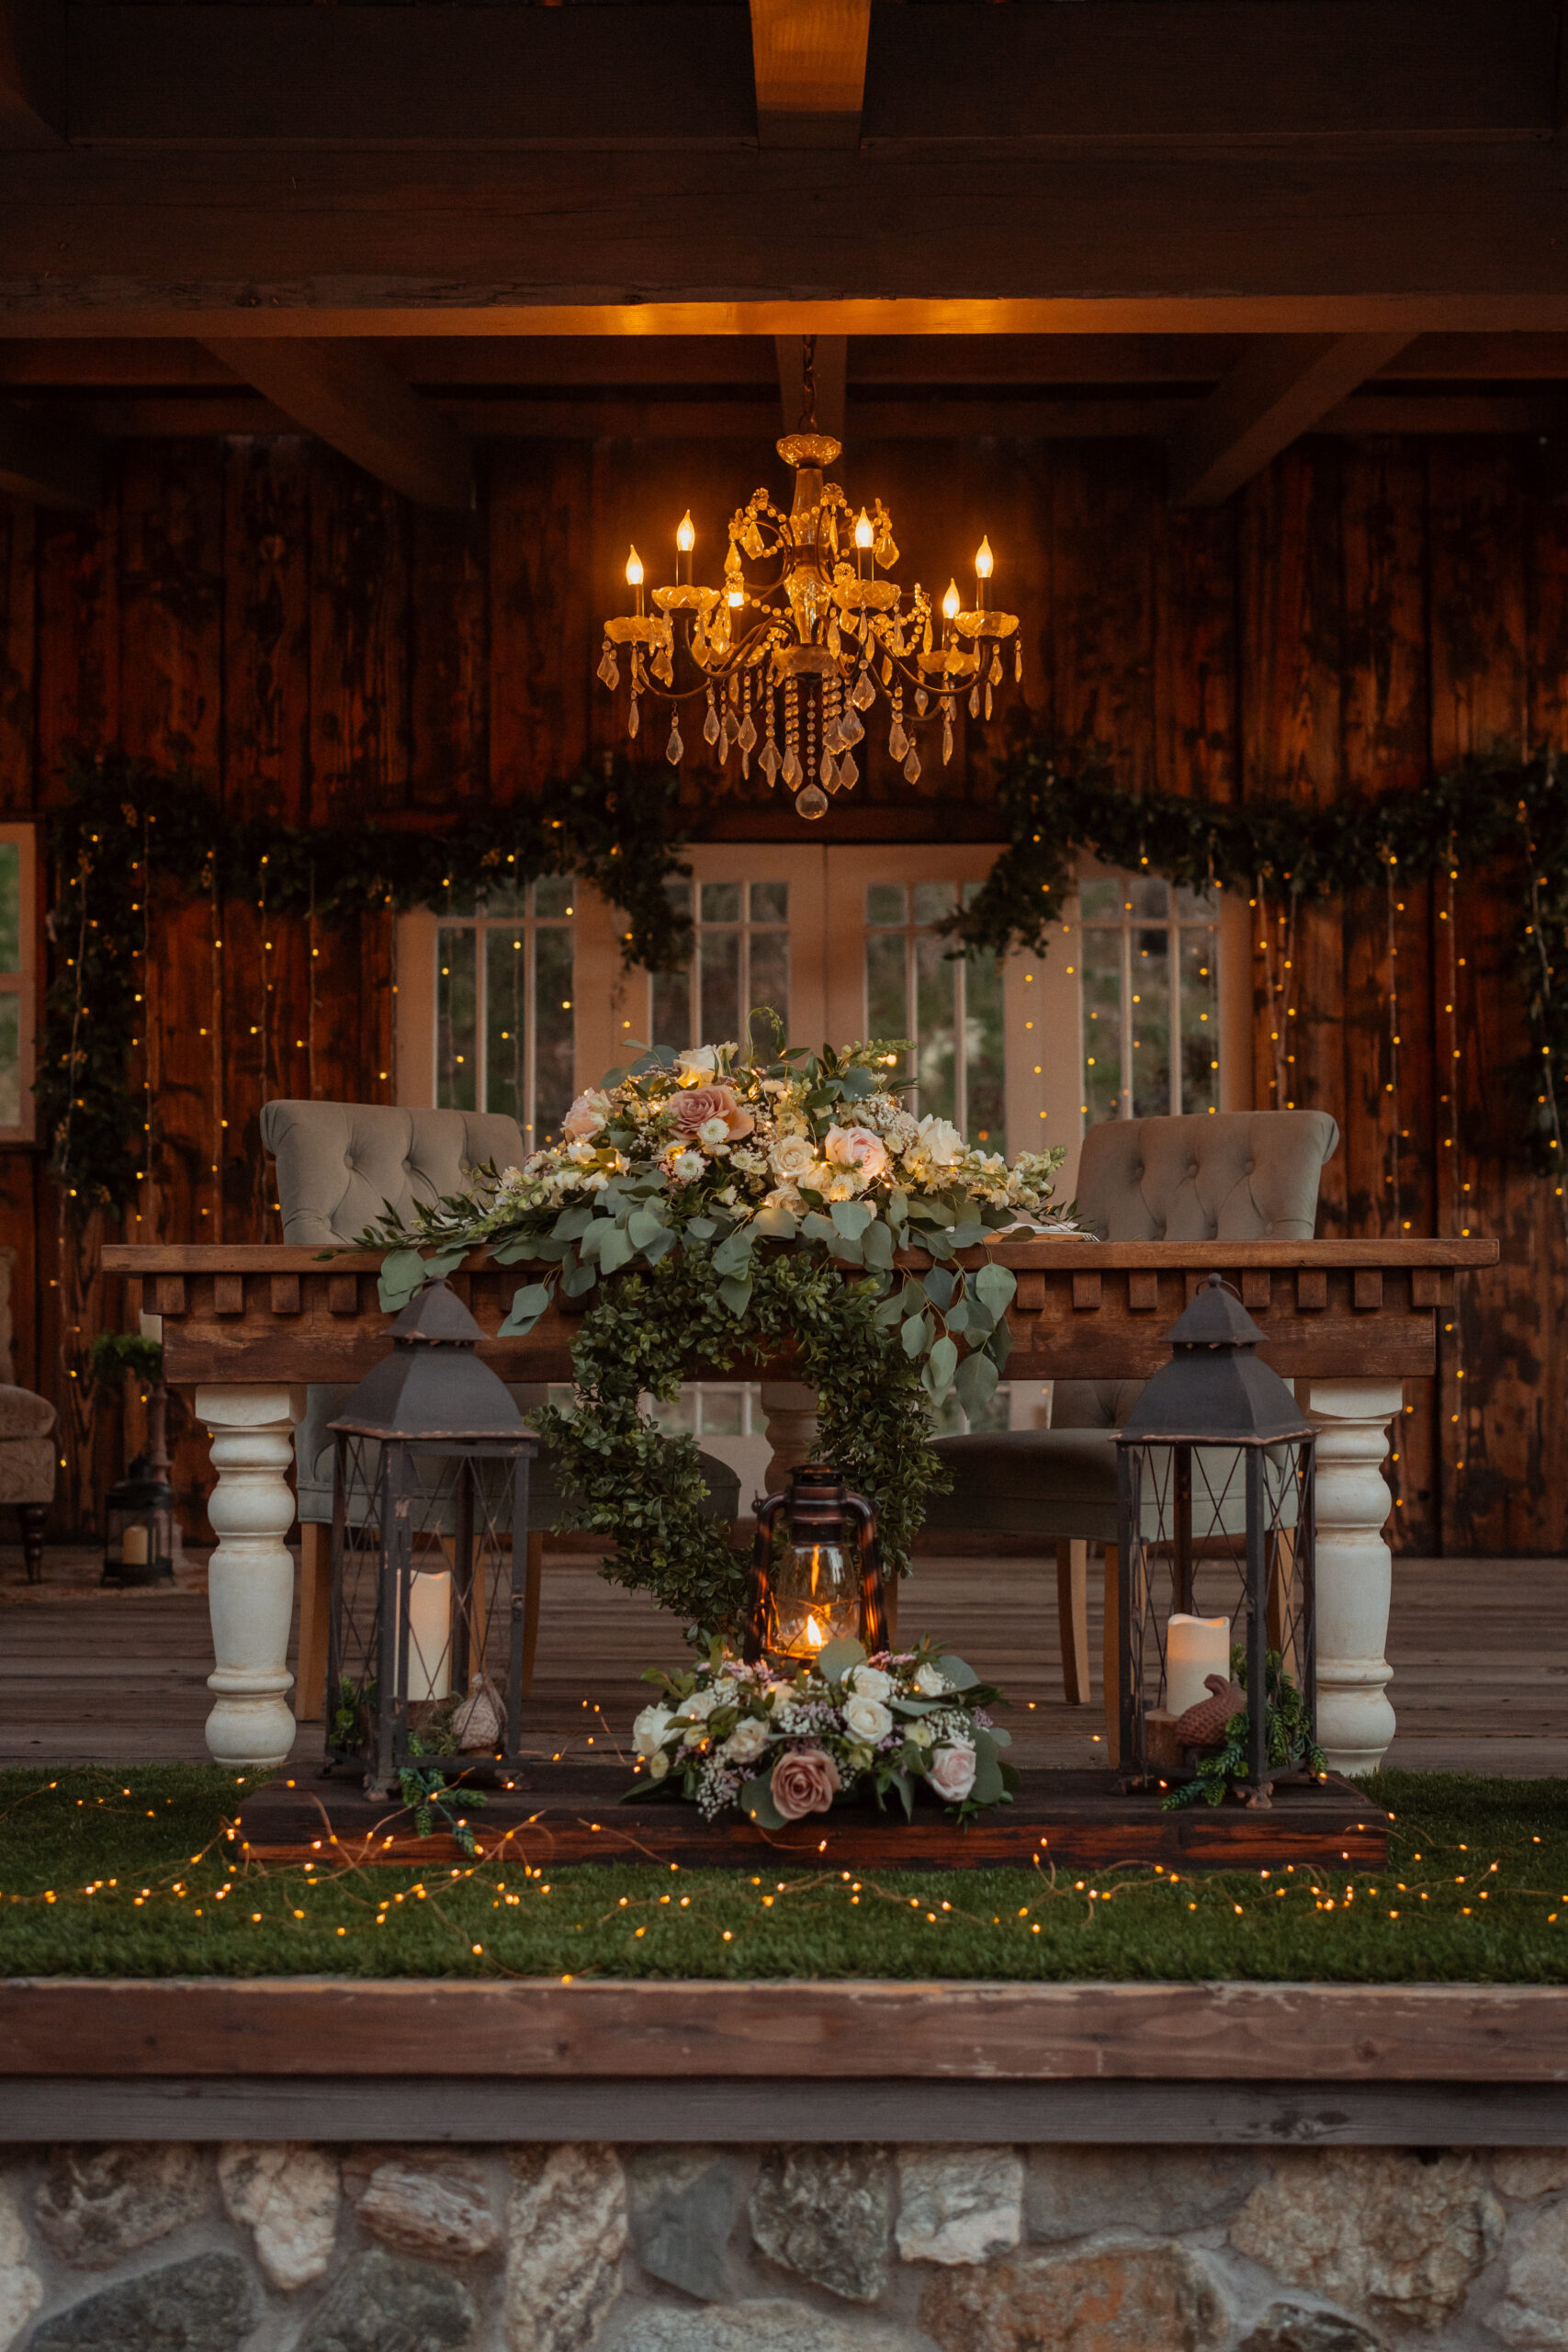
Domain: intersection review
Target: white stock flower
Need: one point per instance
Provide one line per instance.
(940, 1141)
(920, 1735)
(649, 1731)
(866, 1719)
(869, 1682)
(793, 1157)
(843, 1184)
(688, 1166)
(658, 1765)
(746, 1742)
(930, 1682)
(713, 1131)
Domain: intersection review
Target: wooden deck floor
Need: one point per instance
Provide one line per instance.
(1479, 1650)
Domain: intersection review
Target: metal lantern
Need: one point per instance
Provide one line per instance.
(139, 1522)
(1213, 1479)
(430, 1517)
(816, 1571)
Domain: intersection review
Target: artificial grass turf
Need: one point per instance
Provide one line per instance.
(131, 1874)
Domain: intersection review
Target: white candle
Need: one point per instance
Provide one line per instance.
(430, 1633)
(1194, 1648)
(133, 1548)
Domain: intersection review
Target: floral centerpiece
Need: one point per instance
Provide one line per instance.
(720, 1205)
(780, 1746)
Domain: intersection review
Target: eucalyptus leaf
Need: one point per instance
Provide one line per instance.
(572, 1223)
(975, 1382)
(734, 1254)
(527, 1305)
(663, 1242)
(615, 1251)
(961, 1677)
(735, 1292)
(402, 1274)
(965, 1236)
(876, 1246)
(943, 1364)
(959, 1318)
(839, 1654)
(990, 1787)
(851, 1217)
(917, 1335)
(856, 1083)
(900, 1782)
(820, 1228)
(757, 1799)
(897, 1205)
(701, 1228)
(891, 1311)
(520, 1245)
(999, 1347)
(848, 1251)
(578, 1279)
(776, 1223)
(940, 1285)
(641, 1227)
(995, 1285)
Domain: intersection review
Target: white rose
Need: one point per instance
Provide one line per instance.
(781, 1696)
(791, 1157)
(866, 1719)
(951, 1773)
(697, 1708)
(785, 1196)
(650, 1730)
(940, 1141)
(746, 1742)
(697, 1063)
(870, 1682)
(930, 1682)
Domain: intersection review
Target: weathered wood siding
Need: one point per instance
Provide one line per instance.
(1362, 614)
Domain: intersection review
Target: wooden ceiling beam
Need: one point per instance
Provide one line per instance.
(809, 60)
(1280, 391)
(48, 459)
(347, 395)
(32, 73)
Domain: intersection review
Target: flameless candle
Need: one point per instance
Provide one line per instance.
(133, 1547)
(430, 1632)
(1194, 1648)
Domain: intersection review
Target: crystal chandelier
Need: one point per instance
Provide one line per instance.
(794, 662)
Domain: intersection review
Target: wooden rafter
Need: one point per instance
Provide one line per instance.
(1283, 387)
(808, 57)
(346, 393)
(48, 458)
(32, 73)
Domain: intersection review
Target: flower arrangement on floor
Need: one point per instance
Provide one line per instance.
(780, 1746)
(726, 1208)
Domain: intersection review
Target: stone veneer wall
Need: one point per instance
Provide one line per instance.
(276, 2248)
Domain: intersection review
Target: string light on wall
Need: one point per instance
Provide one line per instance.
(798, 658)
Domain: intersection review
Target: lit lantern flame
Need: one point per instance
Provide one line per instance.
(816, 1638)
(686, 536)
(634, 569)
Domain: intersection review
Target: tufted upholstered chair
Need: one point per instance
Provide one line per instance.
(27, 1468)
(1229, 1176)
(339, 1164)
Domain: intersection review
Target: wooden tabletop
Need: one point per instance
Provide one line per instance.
(265, 1312)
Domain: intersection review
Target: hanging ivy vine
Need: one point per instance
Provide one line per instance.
(126, 827)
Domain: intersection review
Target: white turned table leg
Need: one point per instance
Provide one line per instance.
(1354, 1721)
(250, 1580)
(789, 1407)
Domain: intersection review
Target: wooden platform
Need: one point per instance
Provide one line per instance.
(575, 1812)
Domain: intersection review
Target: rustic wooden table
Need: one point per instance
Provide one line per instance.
(1348, 1322)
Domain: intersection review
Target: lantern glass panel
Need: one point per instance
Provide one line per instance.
(139, 1523)
(1214, 1532)
(816, 1583)
(427, 1601)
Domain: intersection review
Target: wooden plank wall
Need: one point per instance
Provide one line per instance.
(1362, 614)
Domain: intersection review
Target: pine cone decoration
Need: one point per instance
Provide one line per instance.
(1204, 1725)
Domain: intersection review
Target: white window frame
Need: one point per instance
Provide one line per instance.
(23, 984)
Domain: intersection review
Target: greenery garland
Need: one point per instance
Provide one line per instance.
(1055, 801)
(128, 826)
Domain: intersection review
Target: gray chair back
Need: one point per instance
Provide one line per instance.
(339, 1164)
(1228, 1176)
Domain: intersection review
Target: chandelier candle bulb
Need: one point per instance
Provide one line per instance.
(1195, 1647)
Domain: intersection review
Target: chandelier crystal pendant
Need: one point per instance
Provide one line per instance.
(795, 662)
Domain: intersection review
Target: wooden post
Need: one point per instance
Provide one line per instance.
(1072, 1616)
(315, 1610)
(250, 1578)
(1354, 1566)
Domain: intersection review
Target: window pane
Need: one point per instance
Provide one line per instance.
(721, 901)
(1151, 1022)
(936, 987)
(1197, 906)
(983, 1069)
(1148, 896)
(1099, 900)
(505, 899)
(457, 1020)
(769, 902)
(934, 901)
(721, 1411)
(554, 1030)
(10, 1061)
(673, 1011)
(719, 954)
(506, 1019)
(1101, 952)
(1200, 1021)
(886, 902)
(769, 980)
(887, 992)
(10, 908)
(554, 894)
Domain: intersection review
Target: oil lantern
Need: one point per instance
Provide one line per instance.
(816, 1572)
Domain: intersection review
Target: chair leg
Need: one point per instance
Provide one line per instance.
(1111, 1666)
(536, 1571)
(34, 1518)
(1072, 1612)
(315, 1610)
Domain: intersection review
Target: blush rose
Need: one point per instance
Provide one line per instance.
(806, 1780)
(698, 1104)
(951, 1772)
(858, 1148)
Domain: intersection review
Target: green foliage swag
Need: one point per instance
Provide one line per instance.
(129, 831)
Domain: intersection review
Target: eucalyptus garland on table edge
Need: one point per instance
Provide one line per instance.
(1055, 800)
(127, 823)
(724, 1210)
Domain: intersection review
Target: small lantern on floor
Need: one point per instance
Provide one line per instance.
(430, 1517)
(1214, 1471)
(816, 1572)
(139, 1522)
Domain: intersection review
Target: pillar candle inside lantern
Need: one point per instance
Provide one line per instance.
(430, 1633)
(1195, 1647)
(133, 1547)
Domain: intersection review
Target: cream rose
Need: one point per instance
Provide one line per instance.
(697, 1063)
(587, 1115)
(650, 1730)
(793, 1158)
(952, 1771)
(858, 1148)
(869, 1682)
(806, 1780)
(746, 1742)
(941, 1142)
(866, 1719)
(698, 1707)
